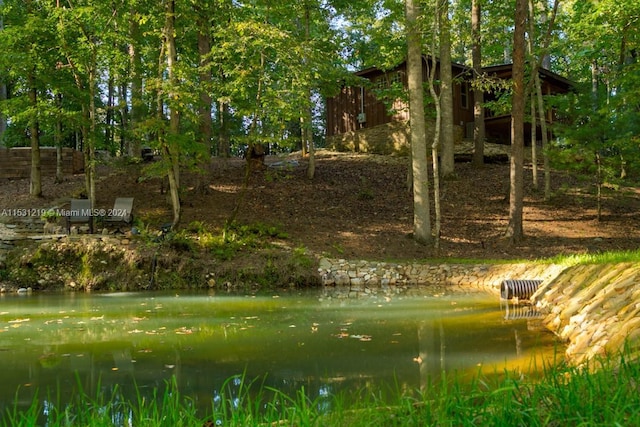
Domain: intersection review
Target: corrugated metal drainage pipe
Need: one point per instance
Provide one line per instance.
(521, 289)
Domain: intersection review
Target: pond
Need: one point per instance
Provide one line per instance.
(287, 340)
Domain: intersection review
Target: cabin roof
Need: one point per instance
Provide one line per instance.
(501, 70)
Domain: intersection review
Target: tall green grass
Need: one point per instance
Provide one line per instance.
(605, 393)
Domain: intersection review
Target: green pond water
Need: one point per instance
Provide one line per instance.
(288, 340)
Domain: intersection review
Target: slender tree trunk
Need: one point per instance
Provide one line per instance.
(421, 215)
(133, 147)
(478, 93)
(3, 119)
(170, 146)
(35, 187)
(90, 169)
(224, 146)
(440, 14)
(534, 151)
(206, 101)
(514, 229)
(57, 137)
(534, 145)
(307, 139)
(597, 159)
(108, 129)
(3, 94)
(306, 125)
(125, 136)
(545, 138)
(543, 60)
(446, 93)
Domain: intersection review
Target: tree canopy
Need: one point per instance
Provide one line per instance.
(221, 77)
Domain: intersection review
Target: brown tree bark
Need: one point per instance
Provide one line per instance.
(446, 139)
(514, 230)
(35, 185)
(478, 93)
(421, 215)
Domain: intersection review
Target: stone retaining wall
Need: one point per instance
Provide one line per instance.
(16, 162)
(596, 308)
(388, 138)
(372, 276)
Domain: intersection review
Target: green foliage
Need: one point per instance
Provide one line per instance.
(602, 393)
(602, 258)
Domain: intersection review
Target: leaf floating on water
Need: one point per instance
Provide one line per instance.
(361, 337)
(184, 331)
(138, 319)
(114, 368)
(98, 317)
(169, 366)
(19, 320)
(135, 331)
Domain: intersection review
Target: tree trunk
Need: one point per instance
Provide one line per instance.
(514, 229)
(534, 145)
(3, 95)
(205, 122)
(125, 136)
(446, 94)
(478, 93)
(170, 148)
(110, 108)
(224, 146)
(545, 138)
(134, 148)
(90, 168)
(35, 187)
(58, 141)
(307, 139)
(3, 119)
(305, 124)
(421, 215)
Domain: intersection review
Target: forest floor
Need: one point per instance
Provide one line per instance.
(357, 207)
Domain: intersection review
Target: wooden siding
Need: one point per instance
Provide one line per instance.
(344, 110)
(16, 162)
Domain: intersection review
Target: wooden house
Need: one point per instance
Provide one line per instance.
(373, 118)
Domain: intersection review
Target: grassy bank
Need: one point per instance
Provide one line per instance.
(605, 393)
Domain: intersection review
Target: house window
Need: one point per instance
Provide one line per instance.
(464, 95)
(395, 77)
(387, 80)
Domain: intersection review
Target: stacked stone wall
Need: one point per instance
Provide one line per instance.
(16, 162)
(372, 276)
(389, 138)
